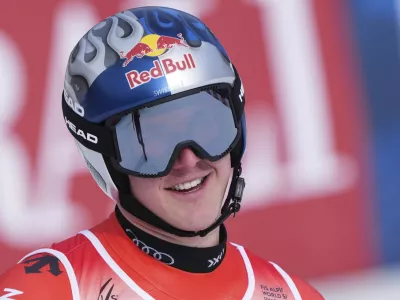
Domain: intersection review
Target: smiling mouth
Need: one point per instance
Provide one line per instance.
(189, 186)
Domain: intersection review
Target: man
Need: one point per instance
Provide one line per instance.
(157, 111)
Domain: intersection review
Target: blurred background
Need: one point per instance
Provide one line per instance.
(322, 80)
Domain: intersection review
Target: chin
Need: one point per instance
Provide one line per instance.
(195, 216)
(194, 224)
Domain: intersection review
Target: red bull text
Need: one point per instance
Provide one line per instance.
(160, 69)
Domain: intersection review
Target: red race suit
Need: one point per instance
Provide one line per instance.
(104, 264)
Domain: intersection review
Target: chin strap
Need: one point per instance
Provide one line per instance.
(231, 206)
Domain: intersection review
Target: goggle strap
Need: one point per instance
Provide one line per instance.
(93, 136)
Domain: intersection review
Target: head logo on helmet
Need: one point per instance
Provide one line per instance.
(76, 107)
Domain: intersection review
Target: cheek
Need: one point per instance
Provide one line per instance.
(144, 188)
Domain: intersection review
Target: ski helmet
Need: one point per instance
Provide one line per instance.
(143, 84)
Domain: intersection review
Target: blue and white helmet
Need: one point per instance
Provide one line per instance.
(139, 59)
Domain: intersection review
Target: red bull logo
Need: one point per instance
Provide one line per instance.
(160, 68)
(152, 45)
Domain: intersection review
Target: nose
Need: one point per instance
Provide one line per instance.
(186, 159)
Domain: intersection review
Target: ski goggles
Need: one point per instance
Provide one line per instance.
(146, 141)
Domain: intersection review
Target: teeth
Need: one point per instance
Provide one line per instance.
(188, 185)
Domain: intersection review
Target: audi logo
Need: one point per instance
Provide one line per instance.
(161, 256)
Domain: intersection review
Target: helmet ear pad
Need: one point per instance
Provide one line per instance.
(121, 180)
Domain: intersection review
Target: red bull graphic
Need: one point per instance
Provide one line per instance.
(138, 51)
(160, 69)
(167, 42)
(152, 45)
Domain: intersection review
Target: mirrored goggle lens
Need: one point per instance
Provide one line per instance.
(149, 139)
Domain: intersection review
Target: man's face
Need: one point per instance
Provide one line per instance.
(187, 207)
